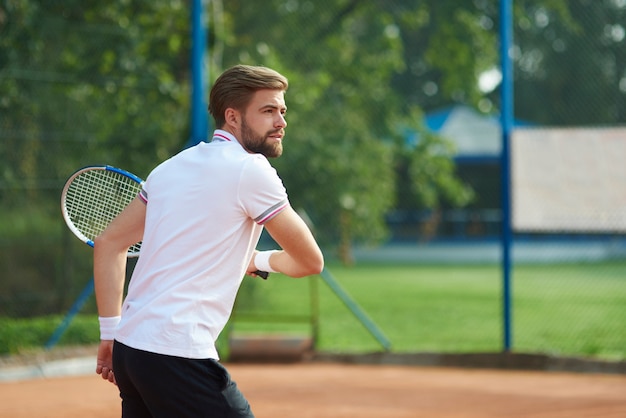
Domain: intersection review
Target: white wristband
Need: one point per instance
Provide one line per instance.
(107, 326)
(262, 261)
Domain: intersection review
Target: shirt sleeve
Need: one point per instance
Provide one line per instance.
(262, 192)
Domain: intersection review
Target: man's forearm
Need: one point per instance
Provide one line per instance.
(109, 277)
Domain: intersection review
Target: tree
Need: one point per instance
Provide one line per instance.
(448, 44)
(87, 82)
(571, 63)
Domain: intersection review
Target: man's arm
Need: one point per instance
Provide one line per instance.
(109, 273)
(110, 256)
(301, 256)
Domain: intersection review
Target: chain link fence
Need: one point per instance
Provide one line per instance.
(84, 83)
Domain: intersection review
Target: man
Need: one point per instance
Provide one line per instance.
(199, 216)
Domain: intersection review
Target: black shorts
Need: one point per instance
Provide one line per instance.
(156, 385)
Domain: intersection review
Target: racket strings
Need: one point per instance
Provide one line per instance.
(96, 197)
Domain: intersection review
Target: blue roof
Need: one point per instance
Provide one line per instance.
(477, 136)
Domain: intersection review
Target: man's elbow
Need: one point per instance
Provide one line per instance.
(99, 241)
(105, 243)
(314, 265)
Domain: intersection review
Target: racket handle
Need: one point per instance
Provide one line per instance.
(262, 274)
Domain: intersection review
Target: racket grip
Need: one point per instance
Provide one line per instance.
(262, 274)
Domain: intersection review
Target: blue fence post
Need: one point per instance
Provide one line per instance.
(506, 120)
(199, 115)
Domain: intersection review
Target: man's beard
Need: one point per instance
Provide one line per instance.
(260, 144)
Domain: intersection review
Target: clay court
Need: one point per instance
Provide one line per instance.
(330, 390)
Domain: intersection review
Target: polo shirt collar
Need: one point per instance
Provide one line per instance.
(223, 136)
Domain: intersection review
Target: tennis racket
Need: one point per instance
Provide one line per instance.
(93, 196)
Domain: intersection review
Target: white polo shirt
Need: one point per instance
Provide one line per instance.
(205, 212)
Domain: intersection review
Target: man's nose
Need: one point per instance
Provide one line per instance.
(281, 121)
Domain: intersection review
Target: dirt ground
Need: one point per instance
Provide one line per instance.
(325, 390)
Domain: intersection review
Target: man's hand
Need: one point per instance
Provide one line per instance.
(253, 271)
(104, 365)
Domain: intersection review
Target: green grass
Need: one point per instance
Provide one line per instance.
(416, 308)
(577, 309)
(573, 310)
(566, 310)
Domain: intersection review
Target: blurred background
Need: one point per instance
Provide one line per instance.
(393, 149)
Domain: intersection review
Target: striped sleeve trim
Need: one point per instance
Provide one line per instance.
(143, 195)
(271, 212)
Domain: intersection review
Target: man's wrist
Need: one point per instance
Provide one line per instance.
(108, 326)
(262, 261)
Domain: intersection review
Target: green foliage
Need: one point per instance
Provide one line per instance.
(426, 173)
(109, 90)
(39, 276)
(570, 63)
(27, 222)
(19, 335)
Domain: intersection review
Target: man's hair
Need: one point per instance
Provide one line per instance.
(236, 86)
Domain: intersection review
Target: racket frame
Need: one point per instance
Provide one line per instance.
(133, 251)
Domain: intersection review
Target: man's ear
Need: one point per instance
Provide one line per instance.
(232, 117)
